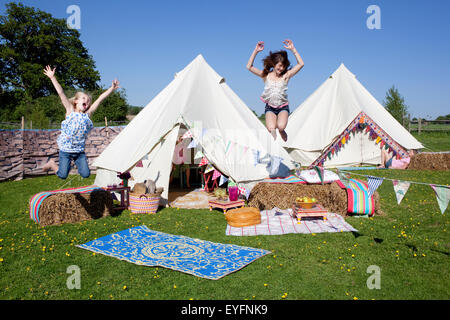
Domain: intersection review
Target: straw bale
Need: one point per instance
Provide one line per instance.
(266, 196)
(430, 161)
(63, 208)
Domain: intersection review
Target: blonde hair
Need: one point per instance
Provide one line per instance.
(77, 96)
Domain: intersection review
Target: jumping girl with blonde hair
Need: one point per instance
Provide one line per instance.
(276, 75)
(75, 128)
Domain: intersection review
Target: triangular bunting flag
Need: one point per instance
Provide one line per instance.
(203, 162)
(223, 179)
(198, 155)
(320, 172)
(442, 196)
(255, 157)
(209, 168)
(216, 174)
(373, 183)
(400, 188)
(188, 134)
(343, 178)
(228, 147)
(139, 164)
(193, 144)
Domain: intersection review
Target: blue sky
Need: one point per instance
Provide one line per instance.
(143, 43)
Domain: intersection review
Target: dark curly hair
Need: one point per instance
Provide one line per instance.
(273, 58)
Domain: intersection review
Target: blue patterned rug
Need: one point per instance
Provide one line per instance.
(142, 246)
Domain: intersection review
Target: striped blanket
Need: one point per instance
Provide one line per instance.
(37, 199)
(289, 179)
(358, 199)
(279, 222)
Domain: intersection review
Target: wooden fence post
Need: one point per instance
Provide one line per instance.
(409, 122)
(420, 126)
(106, 127)
(23, 122)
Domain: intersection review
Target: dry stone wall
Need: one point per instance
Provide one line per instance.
(24, 152)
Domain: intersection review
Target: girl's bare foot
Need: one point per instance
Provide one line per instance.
(274, 134)
(50, 165)
(283, 135)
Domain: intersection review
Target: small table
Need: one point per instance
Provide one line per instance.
(124, 196)
(225, 204)
(317, 211)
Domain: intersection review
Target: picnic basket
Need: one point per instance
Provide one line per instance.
(144, 203)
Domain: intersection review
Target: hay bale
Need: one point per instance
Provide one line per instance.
(62, 208)
(430, 161)
(266, 196)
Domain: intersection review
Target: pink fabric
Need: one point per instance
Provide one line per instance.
(400, 163)
(276, 107)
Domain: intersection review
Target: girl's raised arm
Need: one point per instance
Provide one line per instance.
(66, 103)
(259, 47)
(288, 44)
(103, 96)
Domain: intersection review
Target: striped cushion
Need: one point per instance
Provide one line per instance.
(359, 201)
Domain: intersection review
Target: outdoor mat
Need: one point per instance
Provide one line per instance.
(142, 246)
(278, 222)
(197, 199)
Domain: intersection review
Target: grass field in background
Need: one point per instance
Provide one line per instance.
(409, 243)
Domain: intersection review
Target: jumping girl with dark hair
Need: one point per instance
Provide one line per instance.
(276, 75)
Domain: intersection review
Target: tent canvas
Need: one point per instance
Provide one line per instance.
(326, 129)
(228, 133)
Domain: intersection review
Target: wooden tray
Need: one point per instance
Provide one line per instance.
(225, 204)
(317, 211)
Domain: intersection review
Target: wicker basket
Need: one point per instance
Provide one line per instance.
(243, 217)
(144, 203)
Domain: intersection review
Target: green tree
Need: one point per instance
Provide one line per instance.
(30, 39)
(115, 107)
(395, 104)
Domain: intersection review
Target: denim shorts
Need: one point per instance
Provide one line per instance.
(276, 111)
(65, 160)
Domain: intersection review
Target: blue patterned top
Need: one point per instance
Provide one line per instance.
(74, 131)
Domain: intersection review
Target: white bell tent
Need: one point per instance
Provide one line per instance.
(223, 129)
(342, 124)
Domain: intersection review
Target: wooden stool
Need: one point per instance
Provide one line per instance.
(225, 205)
(124, 196)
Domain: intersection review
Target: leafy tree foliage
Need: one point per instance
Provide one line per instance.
(395, 104)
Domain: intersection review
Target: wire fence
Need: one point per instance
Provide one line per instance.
(423, 125)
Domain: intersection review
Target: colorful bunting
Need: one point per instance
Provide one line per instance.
(203, 162)
(139, 164)
(373, 183)
(320, 172)
(442, 196)
(216, 174)
(209, 168)
(193, 144)
(400, 188)
(223, 179)
(198, 154)
(188, 134)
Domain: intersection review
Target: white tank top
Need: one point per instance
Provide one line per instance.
(274, 93)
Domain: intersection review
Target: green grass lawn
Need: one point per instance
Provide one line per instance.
(409, 243)
(434, 141)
